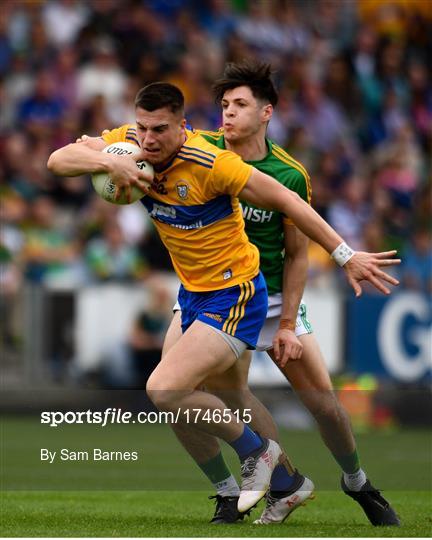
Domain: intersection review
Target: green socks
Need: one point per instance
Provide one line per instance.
(353, 474)
(220, 476)
(349, 463)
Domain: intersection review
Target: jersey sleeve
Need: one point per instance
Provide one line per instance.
(117, 134)
(230, 173)
(300, 183)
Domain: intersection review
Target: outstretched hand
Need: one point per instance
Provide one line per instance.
(365, 266)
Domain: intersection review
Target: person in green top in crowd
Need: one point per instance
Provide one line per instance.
(247, 96)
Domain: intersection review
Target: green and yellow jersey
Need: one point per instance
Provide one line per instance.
(265, 227)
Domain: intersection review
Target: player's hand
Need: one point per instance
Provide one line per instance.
(86, 138)
(367, 266)
(125, 174)
(286, 346)
(91, 140)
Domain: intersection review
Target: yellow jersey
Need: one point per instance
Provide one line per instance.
(193, 203)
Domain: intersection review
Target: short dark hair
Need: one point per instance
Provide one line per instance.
(158, 95)
(255, 75)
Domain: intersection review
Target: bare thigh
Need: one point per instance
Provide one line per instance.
(173, 334)
(309, 372)
(234, 378)
(199, 353)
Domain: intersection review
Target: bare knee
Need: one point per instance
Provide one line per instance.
(163, 396)
(155, 395)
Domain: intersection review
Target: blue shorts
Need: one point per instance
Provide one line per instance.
(239, 311)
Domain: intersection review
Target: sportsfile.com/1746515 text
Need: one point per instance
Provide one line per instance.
(118, 416)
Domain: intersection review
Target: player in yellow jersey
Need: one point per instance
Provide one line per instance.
(224, 303)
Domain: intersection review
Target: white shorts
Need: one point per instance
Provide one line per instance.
(271, 325)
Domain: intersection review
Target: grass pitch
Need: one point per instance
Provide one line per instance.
(186, 514)
(165, 495)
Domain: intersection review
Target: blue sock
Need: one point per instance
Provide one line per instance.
(281, 480)
(247, 443)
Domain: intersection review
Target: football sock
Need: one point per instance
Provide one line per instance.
(355, 481)
(249, 443)
(227, 487)
(349, 463)
(281, 480)
(220, 476)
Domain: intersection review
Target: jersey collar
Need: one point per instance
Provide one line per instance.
(269, 145)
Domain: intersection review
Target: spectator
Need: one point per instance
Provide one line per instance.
(109, 258)
(65, 77)
(400, 165)
(40, 50)
(340, 86)
(48, 253)
(17, 86)
(42, 110)
(131, 363)
(416, 270)
(350, 214)
(421, 101)
(63, 21)
(322, 118)
(218, 20)
(261, 30)
(102, 75)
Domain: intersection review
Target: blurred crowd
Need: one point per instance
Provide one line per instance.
(355, 108)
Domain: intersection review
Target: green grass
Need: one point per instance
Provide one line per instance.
(163, 494)
(186, 514)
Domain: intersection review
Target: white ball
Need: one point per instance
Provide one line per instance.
(103, 184)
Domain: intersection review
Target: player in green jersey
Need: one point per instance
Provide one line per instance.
(247, 96)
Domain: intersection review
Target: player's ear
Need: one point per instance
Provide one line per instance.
(267, 112)
(183, 124)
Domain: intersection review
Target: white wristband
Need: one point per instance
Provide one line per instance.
(342, 254)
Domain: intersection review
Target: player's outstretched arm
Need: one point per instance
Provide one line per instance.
(265, 192)
(76, 159)
(80, 158)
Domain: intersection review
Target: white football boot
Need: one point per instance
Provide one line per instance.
(256, 473)
(277, 510)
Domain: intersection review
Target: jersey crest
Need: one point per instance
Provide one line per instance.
(182, 189)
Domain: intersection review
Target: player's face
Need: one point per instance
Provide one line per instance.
(243, 115)
(160, 134)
